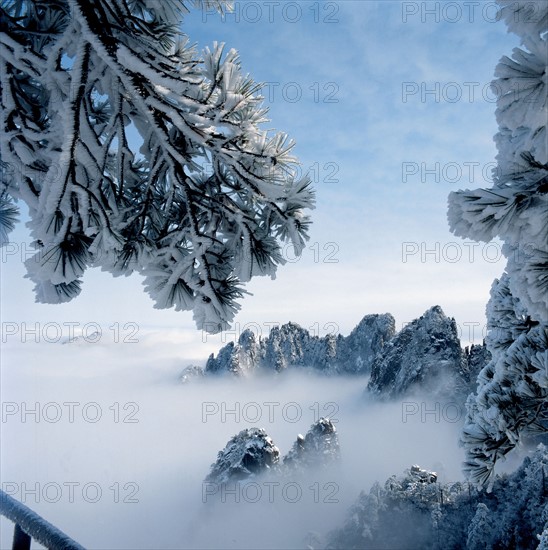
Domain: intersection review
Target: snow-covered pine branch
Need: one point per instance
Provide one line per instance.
(511, 402)
(134, 152)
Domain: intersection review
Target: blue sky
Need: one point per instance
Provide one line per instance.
(388, 103)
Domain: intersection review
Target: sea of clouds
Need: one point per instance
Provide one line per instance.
(103, 441)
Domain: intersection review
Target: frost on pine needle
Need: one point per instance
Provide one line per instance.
(136, 153)
(511, 403)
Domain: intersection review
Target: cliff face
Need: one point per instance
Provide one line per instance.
(356, 352)
(426, 353)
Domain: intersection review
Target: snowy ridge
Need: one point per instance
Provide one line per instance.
(290, 345)
(425, 354)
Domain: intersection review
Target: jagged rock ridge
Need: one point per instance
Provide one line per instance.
(290, 345)
(252, 452)
(318, 448)
(426, 355)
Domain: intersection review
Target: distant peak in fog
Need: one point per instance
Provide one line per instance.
(290, 345)
(318, 448)
(425, 354)
(252, 452)
(248, 453)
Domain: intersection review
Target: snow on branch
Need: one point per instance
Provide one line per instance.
(136, 153)
(511, 403)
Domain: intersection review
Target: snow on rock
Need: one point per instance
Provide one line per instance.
(356, 352)
(249, 453)
(422, 476)
(191, 373)
(252, 452)
(290, 345)
(319, 448)
(236, 359)
(476, 357)
(426, 352)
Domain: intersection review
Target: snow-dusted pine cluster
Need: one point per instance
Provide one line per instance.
(435, 516)
(135, 152)
(512, 396)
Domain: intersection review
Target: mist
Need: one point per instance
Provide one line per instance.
(105, 443)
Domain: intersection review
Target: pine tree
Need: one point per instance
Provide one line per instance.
(135, 153)
(511, 401)
(479, 529)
